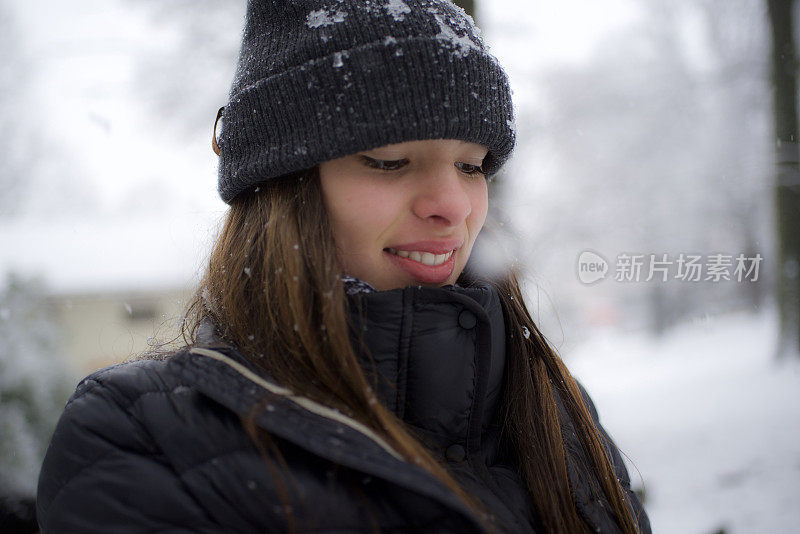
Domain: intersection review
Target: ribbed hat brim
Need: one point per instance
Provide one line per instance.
(365, 97)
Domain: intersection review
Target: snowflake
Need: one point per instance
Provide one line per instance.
(321, 18)
(397, 9)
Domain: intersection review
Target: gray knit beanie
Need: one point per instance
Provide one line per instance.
(321, 79)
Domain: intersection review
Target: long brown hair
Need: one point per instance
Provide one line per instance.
(274, 287)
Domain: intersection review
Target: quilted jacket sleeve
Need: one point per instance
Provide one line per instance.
(102, 473)
(619, 467)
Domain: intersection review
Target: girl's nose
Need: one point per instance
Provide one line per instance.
(443, 197)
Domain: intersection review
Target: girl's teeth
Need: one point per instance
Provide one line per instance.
(426, 258)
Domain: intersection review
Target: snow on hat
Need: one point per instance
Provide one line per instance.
(321, 79)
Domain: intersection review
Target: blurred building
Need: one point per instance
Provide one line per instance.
(102, 328)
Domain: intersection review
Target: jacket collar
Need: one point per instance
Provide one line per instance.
(436, 356)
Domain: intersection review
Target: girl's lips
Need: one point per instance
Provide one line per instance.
(427, 274)
(438, 246)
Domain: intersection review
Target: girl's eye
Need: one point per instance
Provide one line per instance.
(383, 164)
(394, 165)
(467, 168)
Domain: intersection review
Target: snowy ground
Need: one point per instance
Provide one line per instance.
(708, 417)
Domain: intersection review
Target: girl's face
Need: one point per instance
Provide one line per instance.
(408, 213)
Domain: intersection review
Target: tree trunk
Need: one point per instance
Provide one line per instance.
(466, 5)
(787, 185)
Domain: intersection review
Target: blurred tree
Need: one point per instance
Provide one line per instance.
(188, 81)
(787, 184)
(38, 172)
(650, 155)
(34, 386)
(738, 42)
(13, 84)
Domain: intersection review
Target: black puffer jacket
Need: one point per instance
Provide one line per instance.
(156, 446)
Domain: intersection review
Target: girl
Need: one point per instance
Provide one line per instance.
(350, 366)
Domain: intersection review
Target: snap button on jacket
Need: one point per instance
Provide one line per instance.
(157, 446)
